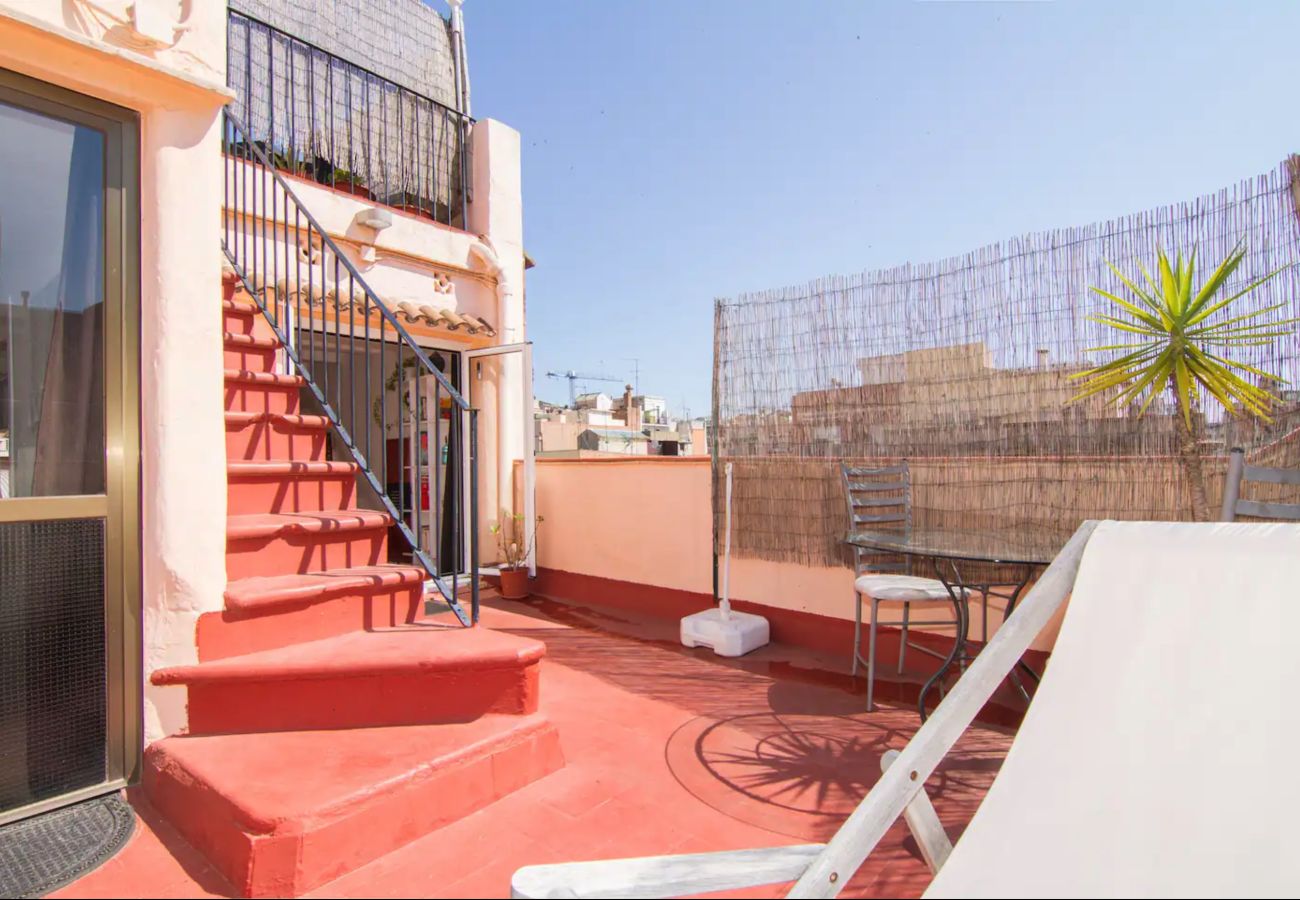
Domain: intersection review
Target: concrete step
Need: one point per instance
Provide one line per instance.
(297, 543)
(249, 352)
(285, 486)
(263, 613)
(261, 435)
(241, 316)
(281, 813)
(262, 392)
(412, 675)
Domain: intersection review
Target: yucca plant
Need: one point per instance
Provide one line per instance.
(1182, 338)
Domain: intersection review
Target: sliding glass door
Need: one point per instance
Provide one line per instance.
(69, 447)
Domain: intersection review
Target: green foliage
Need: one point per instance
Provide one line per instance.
(1182, 338)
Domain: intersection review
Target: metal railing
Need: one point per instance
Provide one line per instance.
(366, 373)
(320, 117)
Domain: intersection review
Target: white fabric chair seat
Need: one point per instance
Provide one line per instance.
(897, 588)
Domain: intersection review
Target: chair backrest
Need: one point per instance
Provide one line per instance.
(1239, 472)
(1146, 766)
(878, 499)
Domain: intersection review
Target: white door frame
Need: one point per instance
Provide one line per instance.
(525, 350)
(421, 397)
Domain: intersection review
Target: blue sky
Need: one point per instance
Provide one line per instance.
(679, 150)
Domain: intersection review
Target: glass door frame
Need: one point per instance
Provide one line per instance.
(119, 506)
(525, 352)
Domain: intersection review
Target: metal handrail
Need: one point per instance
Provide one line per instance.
(282, 255)
(360, 68)
(420, 156)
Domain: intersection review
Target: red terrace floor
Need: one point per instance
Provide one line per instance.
(668, 750)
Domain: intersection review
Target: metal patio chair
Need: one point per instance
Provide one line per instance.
(1239, 472)
(880, 499)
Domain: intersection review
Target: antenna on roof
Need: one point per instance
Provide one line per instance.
(636, 373)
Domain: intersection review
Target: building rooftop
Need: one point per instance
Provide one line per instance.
(617, 434)
(667, 750)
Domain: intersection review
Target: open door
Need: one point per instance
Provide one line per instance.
(499, 381)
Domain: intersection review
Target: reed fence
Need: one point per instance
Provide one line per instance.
(963, 367)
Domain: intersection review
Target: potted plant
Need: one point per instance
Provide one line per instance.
(410, 202)
(514, 554)
(294, 165)
(351, 183)
(339, 178)
(1177, 337)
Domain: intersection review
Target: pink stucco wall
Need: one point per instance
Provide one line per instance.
(647, 521)
(644, 520)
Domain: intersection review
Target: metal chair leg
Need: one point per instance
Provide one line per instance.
(871, 655)
(857, 633)
(902, 645)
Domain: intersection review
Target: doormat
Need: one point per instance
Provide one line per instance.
(47, 851)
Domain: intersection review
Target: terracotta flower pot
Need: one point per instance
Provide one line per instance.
(514, 584)
(351, 187)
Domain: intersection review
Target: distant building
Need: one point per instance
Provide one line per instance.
(630, 425)
(621, 441)
(598, 401)
(652, 410)
(955, 398)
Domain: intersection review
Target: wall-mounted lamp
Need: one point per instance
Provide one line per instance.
(376, 220)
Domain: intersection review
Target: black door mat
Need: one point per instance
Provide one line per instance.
(47, 851)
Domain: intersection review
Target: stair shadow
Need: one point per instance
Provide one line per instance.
(195, 865)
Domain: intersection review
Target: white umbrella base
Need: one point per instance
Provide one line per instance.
(735, 635)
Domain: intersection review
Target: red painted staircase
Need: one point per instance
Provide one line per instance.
(330, 722)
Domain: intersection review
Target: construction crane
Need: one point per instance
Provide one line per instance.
(574, 377)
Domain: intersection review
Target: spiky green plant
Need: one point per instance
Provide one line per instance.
(1182, 341)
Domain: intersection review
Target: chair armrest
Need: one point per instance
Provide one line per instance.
(664, 876)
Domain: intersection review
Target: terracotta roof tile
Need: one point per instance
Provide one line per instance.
(405, 309)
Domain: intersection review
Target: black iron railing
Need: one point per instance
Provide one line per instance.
(318, 116)
(384, 394)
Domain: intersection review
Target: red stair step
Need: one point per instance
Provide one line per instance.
(249, 352)
(296, 543)
(271, 392)
(281, 813)
(282, 486)
(414, 675)
(242, 317)
(259, 435)
(276, 611)
(329, 722)
(271, 525)
(255, 595)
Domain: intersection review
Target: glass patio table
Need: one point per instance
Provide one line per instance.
(1021, 552)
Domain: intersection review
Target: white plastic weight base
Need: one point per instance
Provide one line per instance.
(735, 635)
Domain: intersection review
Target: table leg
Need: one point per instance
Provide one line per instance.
(958, 594)
(1021, 665)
